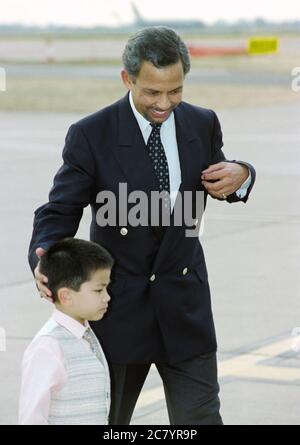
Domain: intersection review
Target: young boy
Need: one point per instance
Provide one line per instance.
(65, 375)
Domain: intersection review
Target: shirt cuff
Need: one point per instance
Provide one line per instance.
(242, 191)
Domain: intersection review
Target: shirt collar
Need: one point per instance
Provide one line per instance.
(144, 123)
(72, 325)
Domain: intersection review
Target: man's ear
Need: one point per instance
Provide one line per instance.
(126, 78)
(64, 296)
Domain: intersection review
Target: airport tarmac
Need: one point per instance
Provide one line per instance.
(223, 76)
(252, 253)
(38, 49)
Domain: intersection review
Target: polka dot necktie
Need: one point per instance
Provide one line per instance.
(159, 160)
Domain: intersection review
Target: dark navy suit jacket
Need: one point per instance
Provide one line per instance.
(166, 319)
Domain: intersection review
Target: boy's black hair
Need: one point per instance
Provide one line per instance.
(71, 261)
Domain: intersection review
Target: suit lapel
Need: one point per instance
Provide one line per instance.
(185, 136)
(131, 152)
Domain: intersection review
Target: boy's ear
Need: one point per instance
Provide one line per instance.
(64, 296)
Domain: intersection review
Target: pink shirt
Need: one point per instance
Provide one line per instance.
(44, 371)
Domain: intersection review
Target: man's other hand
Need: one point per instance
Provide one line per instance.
(227, 176)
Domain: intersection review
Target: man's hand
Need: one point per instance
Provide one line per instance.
(229, 177)
(40, 279)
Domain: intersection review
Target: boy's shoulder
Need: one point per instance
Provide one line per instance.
(47, 329)
(44, 341)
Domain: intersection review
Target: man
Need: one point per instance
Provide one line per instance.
(160, 310)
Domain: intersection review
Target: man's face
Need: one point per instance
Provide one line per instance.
(156, 92)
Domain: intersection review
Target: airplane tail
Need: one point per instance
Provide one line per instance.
(137, 15)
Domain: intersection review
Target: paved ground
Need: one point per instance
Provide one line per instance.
(39, 49)
(252, 254)
(225, 76)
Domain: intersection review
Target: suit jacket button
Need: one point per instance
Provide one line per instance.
(123, 231)
(152, 278)
(185, 271)
(194, 226)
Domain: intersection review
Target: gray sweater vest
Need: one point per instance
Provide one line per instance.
(85, 397)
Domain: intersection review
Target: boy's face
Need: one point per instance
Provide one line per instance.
(91, 301)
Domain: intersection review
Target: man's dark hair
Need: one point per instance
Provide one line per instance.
(71, 261)
(160, 45)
